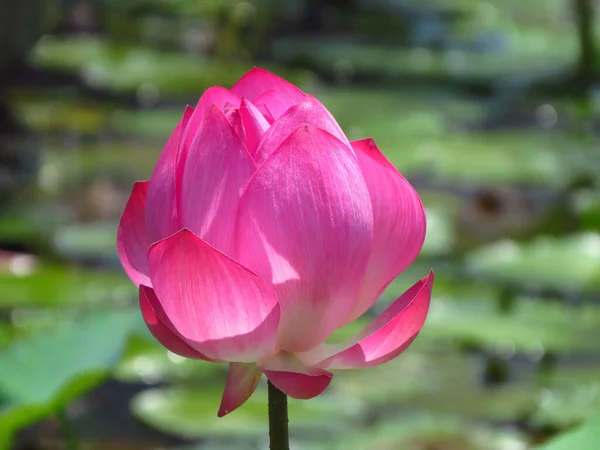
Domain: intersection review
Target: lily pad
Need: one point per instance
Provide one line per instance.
(447, 285)
(18, 226)
(88, 241)
(491, 158)
(154, 123)
(149, 362)
(57, 286)
(587, 204)
(129, 157)
(570, 263)
(525, 50)
(44, 372)
(439, 239)
(192, 413)
(569, 373)
(426, 431)
(563, 408)
(529, 329)
(444, 383)
(411, 373)
(46, 112)
(423, 141)
(146, 71)
(586, 437)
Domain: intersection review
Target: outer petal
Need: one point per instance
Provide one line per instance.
(217, 168)
(309, 111)
(242, 380)
(275, 102)
(132, 240)
(221, 308)
(161, 215)
(257, 81)
(255, 125)
(216, 95)
(161, 331)
(398, 223)
(305, 225)
(382, 340)
(294, 378)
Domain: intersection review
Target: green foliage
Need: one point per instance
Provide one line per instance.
(43, 373)
(585, 437)
(137, 69)
(56, 286)
(567, 263)
(424, 431)
(192, 413)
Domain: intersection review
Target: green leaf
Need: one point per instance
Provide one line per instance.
(530, 329)
(129, 68)
(440, 233)
(424, 144)
(563, 408)
(91, 240)
(192, 413)
(441, 382)
(147, 361)
(586, 437)
(59, 286)
(44, 372)
(425, 431)
(569, 263)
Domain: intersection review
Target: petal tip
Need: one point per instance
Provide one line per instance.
(242, 381)
(142, 184)
(222, 412)
(301, 386)
(430, 277)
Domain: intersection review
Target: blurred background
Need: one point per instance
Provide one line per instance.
(491, 108)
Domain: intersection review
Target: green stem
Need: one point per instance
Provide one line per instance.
(278, 419)
(66, 430)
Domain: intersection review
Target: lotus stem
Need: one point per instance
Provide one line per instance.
(278, 420)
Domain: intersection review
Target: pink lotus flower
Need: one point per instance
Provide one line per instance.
(262, 231)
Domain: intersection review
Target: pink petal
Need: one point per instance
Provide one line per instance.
(309, 111)
(218, 306)
(159, 312)
(161, 214)
(216, 95)
(160, 331)
(398, 223)
(266, 113)
(294, 378)
(275, 102)
(298, 385)
(217, 168)
(132, 240)
(382, 340)
(242, 380)
(234, 118)
(257, 81)
(305, 225)
(255, 125)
